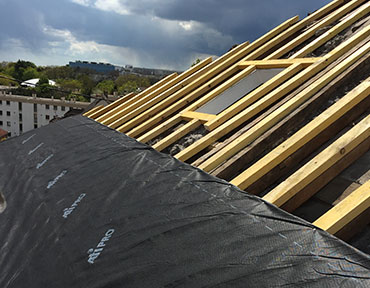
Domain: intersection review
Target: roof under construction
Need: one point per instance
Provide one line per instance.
(282, 117)
(248, 170)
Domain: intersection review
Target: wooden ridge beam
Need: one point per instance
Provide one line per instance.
(284, 110)
(171, 87)
(346, 211)
(112, 105)
(321, 40)
(337, 14)
(151, 91)
(277, 63)
(319, 164)
(139, 128)
(178, 134)
(303, 136)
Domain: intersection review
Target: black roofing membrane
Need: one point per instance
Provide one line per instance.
(90, 207)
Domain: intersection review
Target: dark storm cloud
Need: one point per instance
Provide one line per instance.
(223, 23)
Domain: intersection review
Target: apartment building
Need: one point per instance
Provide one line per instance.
(20, 114)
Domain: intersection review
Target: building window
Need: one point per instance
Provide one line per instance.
(34, 107)
(1, 102)
(7, 113)
(55, 107)
(20, 117)
(20, 106)
(35, 126)
(8, 123)
(238, 90)
(47, 117)
(1, 123)
(1, 112)
(8, 103)
(63, 108)
(20, 128)
(47, 107)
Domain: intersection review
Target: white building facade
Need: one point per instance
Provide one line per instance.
(19, 114)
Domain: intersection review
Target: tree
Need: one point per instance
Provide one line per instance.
(72, 85)
(105, 86)
(20, 67)
(87, 84)
(128, 87)
(30, 73)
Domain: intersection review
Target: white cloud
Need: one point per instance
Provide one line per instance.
(187, 25)
(112, 6)
(82, 2)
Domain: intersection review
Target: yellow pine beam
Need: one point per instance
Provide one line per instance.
(257, 94)
(319, 164)
(277, 63)
(152, 91)
(178, 134)
(112, 105)
(138, 129)
(161, 128)
(318, 42)
(283, 111)
(171, 87)
(93, 110)
(190, 115)
(302, 137)
(337, 14)
(345, 211)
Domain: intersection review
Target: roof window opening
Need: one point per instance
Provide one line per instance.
(238, 90)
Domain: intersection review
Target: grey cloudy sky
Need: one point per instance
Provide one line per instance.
(144, 33)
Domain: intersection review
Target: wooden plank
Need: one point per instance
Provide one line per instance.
(158, 130)
(180, 103)
(112, 105)
(190, 115)
(304, 135)
(321, 40)
(164, 91)
(153, 90)
(346, 211)
(93, 110)
(277, 63)
(254, 96)
(327, 176)
(284, 110)
(178, 134)
(319, 164)
(337, 14)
